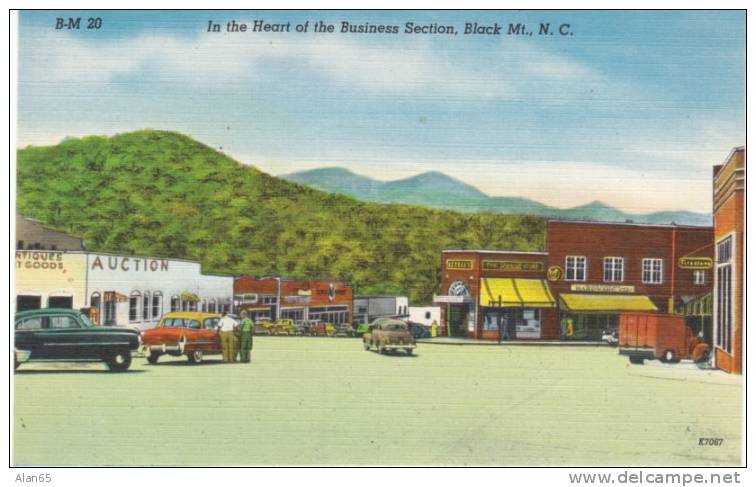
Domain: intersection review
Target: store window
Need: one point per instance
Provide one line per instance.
(699, 278)
(95, 301)
(146, 308)
(157, 304)
(575, 268)
(724, 295)
(652, 271)
(427, 315)
(175, 303)
(614, 269)
(211, 306)
(24, 302)
(134, 301)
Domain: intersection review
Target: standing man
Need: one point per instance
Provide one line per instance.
(226, 328)
(245, 340)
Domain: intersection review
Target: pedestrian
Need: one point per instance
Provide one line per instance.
(245, 340)
(226, 328)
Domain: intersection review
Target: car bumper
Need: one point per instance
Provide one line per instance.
(646, 353)
(400, 345)
(164, 348)
(22, 355)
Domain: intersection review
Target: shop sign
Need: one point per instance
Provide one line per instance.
(451, 299)
(512, 266)
(39, 260)
(554, 273)
(603, 288)
(302, 300)
(116, 263)
(695, 263)
(304, 292)
(459, 264)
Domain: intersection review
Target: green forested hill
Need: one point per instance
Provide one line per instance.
(164, 194)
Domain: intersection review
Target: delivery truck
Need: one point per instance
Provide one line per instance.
(659, 336)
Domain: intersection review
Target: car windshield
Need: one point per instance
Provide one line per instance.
(86, 321)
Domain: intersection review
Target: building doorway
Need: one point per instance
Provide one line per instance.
(456, 319)
(28, 302)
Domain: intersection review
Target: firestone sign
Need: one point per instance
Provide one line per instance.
(125, 264)
(695, 263)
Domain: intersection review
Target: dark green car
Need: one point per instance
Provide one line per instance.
(66, 335)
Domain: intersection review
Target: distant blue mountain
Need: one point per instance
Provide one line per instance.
(437, 190)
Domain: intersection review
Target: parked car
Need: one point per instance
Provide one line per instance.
(344, 329)
(418, 330)
(282, 327)
(301, 327)
(320, 328)
(189, 333)
(53, 334)
(659, 336)
(610, 337)
(388, 334)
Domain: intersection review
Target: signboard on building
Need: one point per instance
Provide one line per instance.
(695, 263)
(603, 288)
(459, 264)
(512, 266)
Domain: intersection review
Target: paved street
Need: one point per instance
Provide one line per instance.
(325, 401)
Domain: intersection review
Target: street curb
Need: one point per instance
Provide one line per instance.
(516, 344)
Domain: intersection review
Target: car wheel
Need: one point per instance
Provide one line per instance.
(636, 360)
(668, 357)
(364, 344)
(408, 350)
(119, 360)
(195, 357)
(152, 359)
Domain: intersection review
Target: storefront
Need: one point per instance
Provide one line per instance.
(496, 295)
(119, 290)
(729, 240)
(273, 298)
(586, 317)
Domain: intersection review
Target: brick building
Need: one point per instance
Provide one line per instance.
(729, 241)
(590, 273)
(598, 270)
(272, 298)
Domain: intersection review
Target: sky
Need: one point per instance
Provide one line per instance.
(630, 108)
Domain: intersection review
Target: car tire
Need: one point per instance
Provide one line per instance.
(668, 357)
(636, 360)
(364, 344)
(118, 360)
(153, 357)
(195, 357)
(408, 350)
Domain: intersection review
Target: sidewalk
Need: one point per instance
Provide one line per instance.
(477, 341)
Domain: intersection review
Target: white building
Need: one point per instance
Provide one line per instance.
(425, 315)
(122, 290)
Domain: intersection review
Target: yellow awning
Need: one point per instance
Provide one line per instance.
(515, 293)
(606, 302)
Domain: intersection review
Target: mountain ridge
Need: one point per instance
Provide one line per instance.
(435, 189)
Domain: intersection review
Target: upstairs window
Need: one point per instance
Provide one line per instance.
(652, 271)
(575, 267)
(614, 269)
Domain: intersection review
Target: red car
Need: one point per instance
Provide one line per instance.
(183, 333)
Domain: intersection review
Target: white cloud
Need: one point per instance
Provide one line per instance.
(411, 66)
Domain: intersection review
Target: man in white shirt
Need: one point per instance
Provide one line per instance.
(226, 327)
